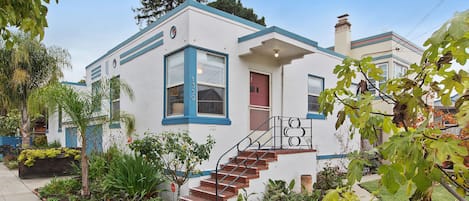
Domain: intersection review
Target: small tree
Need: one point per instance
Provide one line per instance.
(80, 107)
(415, 150)
(177, 152)
(235, 7)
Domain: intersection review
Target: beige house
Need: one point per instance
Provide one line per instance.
(391, 52)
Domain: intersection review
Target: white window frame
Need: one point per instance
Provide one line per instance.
(207, 84)
(323, 80)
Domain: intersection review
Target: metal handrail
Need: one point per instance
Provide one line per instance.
(283, 133)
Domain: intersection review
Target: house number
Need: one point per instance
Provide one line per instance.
(193, 88)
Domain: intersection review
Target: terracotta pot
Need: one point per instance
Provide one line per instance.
(466, 161)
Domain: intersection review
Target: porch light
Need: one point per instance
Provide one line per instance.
(276, 53)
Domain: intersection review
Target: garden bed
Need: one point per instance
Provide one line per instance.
(48, 167)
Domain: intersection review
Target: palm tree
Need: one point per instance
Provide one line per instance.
(24, 68)
(80, 107)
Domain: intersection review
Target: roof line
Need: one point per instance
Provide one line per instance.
(173, 12)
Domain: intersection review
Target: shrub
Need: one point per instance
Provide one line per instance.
(60, 189)
(40, 141)
(277, 190)
(55, 144)
(29, 156)
(8, 158)
(12, 165)
(329, 178)
(132, 177)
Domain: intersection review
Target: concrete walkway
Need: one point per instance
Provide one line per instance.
(13, 188)
(363, 194)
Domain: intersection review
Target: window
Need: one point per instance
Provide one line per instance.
(210, 83)
(95, 90)
(384, 68)
(315, 87)
(115, 98)
(175, 84)
(399, 70)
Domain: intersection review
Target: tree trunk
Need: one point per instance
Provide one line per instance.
(25, 126)
(85, 191)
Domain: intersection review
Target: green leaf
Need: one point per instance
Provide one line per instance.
(340, 119)
(391, 177)
(445, 148)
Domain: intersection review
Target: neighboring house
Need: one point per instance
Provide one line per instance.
(390, 51)
(212, 73)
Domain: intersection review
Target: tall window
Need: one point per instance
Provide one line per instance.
(399, 70)
(95, 90)
(210, 83)
(315, 87)
(115, 98)
(175, 84)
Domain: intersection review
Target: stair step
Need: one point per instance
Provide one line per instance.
(224, 184)
(260, 153)
(250, 170)
(230, 176)
(249, 160)
(192, 198)
(208, 193)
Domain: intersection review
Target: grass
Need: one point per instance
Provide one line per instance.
(439, 192)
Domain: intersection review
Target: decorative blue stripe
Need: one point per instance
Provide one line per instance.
(200, 174)
(96, 69)
(96, 76)
(332, 156)
(74, 83)
(387, 56)
(96, 73)
(142, 52)
(328, 51)
(172, 13)
(115, 125)
(141, 45)
(281, 31)
(315, 116)
(196, 120)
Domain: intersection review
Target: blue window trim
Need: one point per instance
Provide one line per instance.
(331, 156)
(313, 115)
(190, 91)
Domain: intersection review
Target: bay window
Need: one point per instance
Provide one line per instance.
(175, 84)
(210, 83)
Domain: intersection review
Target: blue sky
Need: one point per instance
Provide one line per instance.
(89, 28)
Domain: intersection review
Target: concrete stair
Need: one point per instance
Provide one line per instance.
(237, 174)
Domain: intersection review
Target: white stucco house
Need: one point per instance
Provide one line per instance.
(201, 70)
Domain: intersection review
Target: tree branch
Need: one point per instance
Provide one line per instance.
(374, 86)
(451, 179)
(356, 108)
(451, 190)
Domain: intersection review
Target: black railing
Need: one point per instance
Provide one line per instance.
(275, 133)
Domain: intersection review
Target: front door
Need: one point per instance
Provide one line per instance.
(94, 139)
(70, 137)
(259, 104)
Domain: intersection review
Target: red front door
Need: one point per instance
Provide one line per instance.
(259, 104)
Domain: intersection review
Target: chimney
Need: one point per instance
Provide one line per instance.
(342, 43)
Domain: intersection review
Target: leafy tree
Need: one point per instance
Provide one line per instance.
(24, 68)
(26, 15)
(415, 150)
(177, 152)
(80, 107)
(235, 7)
(151, 10)
(10, 122)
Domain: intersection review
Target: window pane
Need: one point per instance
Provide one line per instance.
(115, 110)
(175, 100)
(315, 85)
(175, 67)
(115, 88)
(399, 70)
(210, 99)
(313, 104)
(210, 68)
(384, 67)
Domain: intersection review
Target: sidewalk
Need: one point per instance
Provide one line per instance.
(14, 189)
(363, 194)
